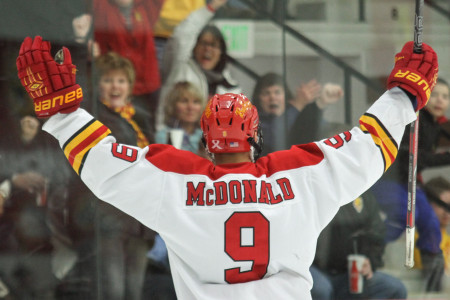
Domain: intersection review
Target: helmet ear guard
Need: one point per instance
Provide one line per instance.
(229, 123)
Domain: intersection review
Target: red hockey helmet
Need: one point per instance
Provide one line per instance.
(229, 123)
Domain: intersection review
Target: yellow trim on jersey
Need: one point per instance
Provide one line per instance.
(81, 142)
(381, 137)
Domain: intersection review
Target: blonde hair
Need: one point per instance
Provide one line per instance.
(175, 95)
(113, 61)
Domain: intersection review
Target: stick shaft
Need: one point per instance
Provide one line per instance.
(411, 208)
(413, 141)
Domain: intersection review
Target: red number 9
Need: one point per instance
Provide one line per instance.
(256, 251)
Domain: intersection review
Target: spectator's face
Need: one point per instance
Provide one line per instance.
(439, 100)
(272, 100)
(115, 88)
(441, 213)
(188, 109)
(207, 51)
(30, 126)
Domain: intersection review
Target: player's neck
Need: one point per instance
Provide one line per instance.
(231, 158)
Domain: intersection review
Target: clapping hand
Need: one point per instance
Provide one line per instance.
(306, 94)
(330, 94)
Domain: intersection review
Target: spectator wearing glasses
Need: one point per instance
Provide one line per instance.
(197, 54)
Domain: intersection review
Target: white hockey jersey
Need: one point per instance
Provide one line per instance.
(237, 231)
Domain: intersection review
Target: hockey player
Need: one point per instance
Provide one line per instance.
(235, 228)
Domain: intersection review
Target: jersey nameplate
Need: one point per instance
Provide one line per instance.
(238, 191)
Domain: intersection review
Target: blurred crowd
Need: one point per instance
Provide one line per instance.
(147, 68)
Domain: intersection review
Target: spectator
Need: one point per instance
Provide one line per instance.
(184, 106)
(126, 27)
(287, 120)
(438, 192)
(391, 190)
(357, 228)
(198, 54)
(116, 78)
(32, 175)
(172, 13)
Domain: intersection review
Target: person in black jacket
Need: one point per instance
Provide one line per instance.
(33, 175)
(288, 120)
(357, 228)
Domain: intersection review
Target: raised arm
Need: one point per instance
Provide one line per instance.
(355, 160)
(111, 173)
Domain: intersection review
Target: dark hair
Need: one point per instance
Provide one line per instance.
(435, 186)
(440, 80)
(223, 46)
(267, 80)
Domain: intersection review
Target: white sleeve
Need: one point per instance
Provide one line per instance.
(104, 165)
(354, 162)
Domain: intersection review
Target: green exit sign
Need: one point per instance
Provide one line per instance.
(239, 37)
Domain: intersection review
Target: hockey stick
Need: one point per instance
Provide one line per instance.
(413, 140)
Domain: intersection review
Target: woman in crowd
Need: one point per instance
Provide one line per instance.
(197, 53)
(184, 106)
(115, 83)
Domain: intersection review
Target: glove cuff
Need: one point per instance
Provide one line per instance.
(413, 82)
(65, 101)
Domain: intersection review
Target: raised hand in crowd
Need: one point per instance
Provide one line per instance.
(330, 94)
(306, 94)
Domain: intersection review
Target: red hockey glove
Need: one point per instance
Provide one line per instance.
(415, 73)
(51, 85)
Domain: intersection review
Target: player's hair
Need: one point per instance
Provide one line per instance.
(176, 93)
(268, 80)
(221, 64)
(113, 61)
